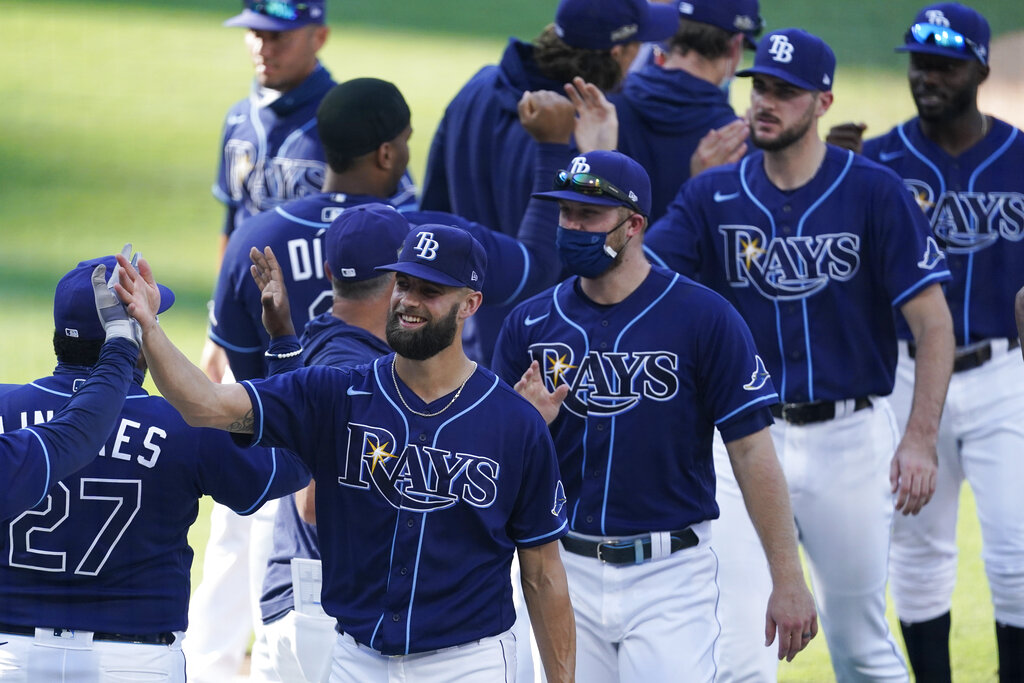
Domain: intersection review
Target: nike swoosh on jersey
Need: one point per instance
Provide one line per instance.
(352, 391)
(719, 197)
(533, 321)
(889, 156)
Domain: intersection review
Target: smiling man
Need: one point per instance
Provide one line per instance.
(964, 169)
(430, 471)
(816, 246)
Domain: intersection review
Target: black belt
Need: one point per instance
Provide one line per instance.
(816, 411)
(165, 638)
(625, 551)
(970, 358)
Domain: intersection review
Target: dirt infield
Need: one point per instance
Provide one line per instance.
(1002, 95)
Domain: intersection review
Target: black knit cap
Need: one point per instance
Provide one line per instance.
(358, 116)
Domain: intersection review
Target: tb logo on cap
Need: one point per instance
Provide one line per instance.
(426, 248)
(579, 165)
(935, 16)
(781, 49)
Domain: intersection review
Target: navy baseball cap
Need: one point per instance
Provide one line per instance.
(733, 16)
(74, 307)
(279, 15)
(949, 29)
(362, 238)
(442, 254)
(797, 57)
(602, 24)
(603, 178)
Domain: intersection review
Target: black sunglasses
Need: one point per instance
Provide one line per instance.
(595, 186)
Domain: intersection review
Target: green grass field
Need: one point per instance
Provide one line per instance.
(110, 129)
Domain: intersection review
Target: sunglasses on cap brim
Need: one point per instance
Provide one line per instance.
(593, 186)
(943, 36)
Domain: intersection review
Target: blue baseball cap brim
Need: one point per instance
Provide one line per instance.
(262, 22)
(571, 196)
(781, 74)
(423, 272)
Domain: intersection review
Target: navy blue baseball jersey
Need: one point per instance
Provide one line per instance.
(517, 266)
(481, 157)
(649, 380)
(815, 271)
(418, 517)
(107, 549)
(663, 114)
(34, 457)
(331, 341)
(974, 204)
(271, 151)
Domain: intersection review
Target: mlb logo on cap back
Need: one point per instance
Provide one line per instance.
(948, 29)
(279, 15)
(442, 254)
(362, 238)
(602, 24)
(797, 57)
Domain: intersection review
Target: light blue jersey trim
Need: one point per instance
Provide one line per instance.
(376, 628)
(611, 431)
(301, 221)
(652, 256)
(522, 281)
(263, 496)
(586, 352)
(228, 345)
(296, 135)
(222, 197)
(46, 456)
(542, 536)
(970, 257)
(799, 231)
(50, 391)
(415, 578)
(922, 158)
(917, 286)
(259, 406)
(760, 399)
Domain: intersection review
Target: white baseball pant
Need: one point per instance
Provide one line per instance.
(981, 439)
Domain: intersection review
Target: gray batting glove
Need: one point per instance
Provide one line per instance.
(112, 313)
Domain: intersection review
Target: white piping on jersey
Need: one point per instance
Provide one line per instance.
(586, 352)
(295, 135)
(46, 456)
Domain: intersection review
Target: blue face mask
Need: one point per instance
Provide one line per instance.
(585, 253)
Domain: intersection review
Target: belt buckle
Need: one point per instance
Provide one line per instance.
(600, 545)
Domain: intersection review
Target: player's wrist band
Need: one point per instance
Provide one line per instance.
(282, 356)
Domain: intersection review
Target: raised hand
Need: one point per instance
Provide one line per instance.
(266, 271)
(547, 116)
(597, 121)
(531, 387)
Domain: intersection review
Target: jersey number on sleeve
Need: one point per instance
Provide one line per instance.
(119, 499)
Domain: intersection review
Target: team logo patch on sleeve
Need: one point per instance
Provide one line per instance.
(559, 499)
(758, 377)
(932, 255)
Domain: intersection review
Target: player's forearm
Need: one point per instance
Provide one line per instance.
(546, 591)
(766, 497)
(932, 326)
(200, 401)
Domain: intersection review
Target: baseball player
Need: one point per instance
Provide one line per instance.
(667, 107)
(94, 579)
(815, 246)
(417, 538)
(964, 170)
(300, 636)
(36, 456)
(644, 389)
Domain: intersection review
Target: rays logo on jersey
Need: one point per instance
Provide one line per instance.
(604, 383)
(792, 267)
(559, 499)
(284, 179)
(419, 478)
(970, 221)
(758, 377)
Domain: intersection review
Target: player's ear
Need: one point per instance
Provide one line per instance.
(385, 155)
(320, 37)
(327, 272)
(983, 72)
(470, 304)
(824, 102)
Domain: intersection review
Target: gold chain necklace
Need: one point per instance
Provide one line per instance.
(394, 378)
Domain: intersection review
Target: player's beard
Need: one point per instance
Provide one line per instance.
(428, 341)
(787, 136)
(956, 105)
